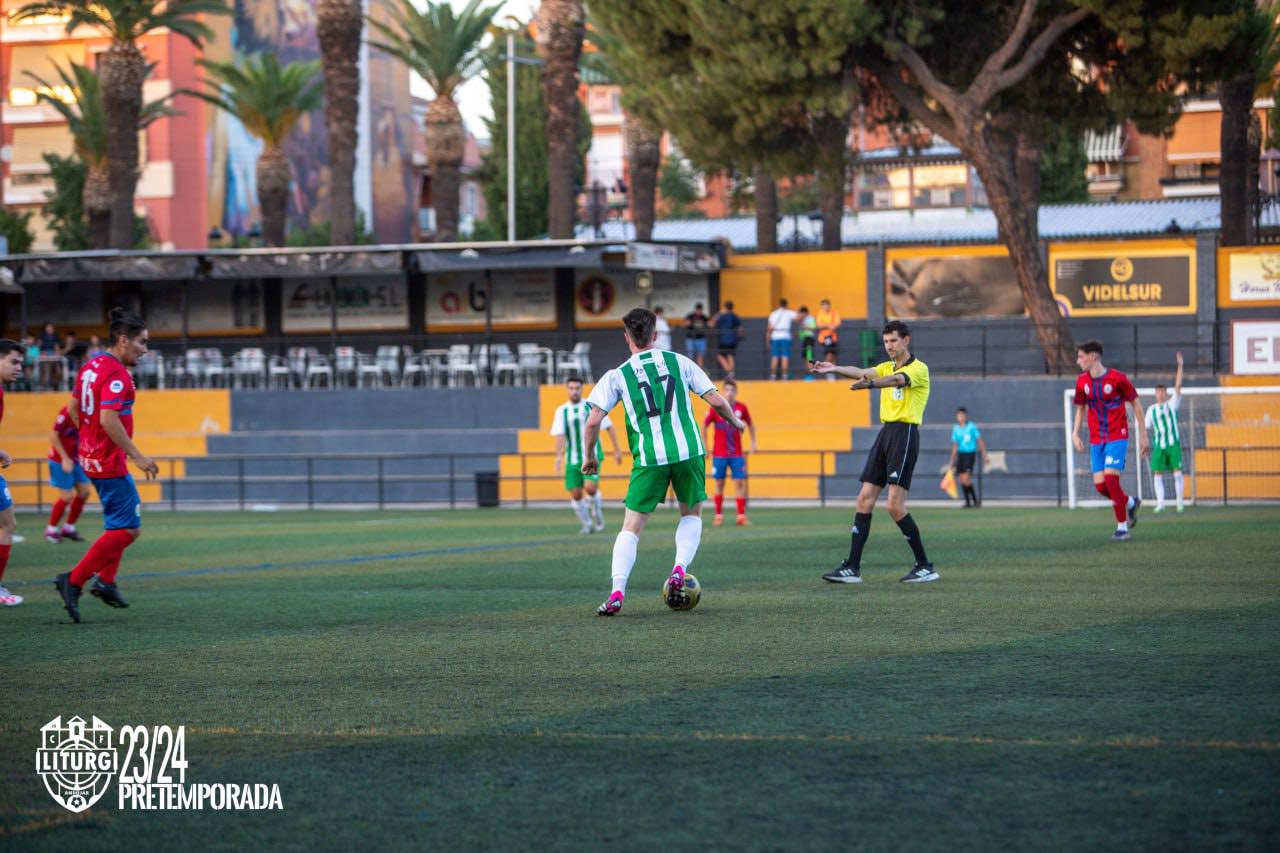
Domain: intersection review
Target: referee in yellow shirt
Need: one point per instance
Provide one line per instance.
(903, 381)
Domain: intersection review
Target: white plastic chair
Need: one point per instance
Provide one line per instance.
(532, 362)
(415, 369)
(279, 374)
(298, 364)
(505, 365)
(460, 364)
(318, 368)
(388, 361)
(215, 368)
(576, 362)
(345, 361)
(367, 368)
(249, 368)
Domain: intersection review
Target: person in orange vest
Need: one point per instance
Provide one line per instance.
(828, 332)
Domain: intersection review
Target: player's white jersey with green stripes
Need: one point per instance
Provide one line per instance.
(570, 421)
(1162, 423)
(653, 387)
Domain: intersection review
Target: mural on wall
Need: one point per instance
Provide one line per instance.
(287, 28)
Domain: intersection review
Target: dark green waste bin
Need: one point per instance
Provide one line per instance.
(869, 343)
(486, 488)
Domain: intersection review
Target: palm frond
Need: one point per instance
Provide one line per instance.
(439, 44)
(268, 98)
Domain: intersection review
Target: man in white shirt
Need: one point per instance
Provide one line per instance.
(778, 334)
(664, 331)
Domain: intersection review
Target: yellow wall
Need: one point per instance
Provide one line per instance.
(806, 278)
(753, 290)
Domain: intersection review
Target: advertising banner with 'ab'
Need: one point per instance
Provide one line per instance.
(1123, 279)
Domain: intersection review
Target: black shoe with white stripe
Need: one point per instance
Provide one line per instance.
(920, 574)
(844, 573)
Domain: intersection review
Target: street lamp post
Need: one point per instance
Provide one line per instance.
(512, 60)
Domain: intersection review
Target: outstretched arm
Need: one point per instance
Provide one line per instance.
(871, 379)
(847, 372)
(1177, 379)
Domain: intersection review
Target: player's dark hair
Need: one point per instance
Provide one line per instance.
(1090, 346)
(782, 303)
(1160, 386)
(729, 382)
(728, 306)
(124, 322)
(573, 377)
(897, 327)
(960, 409)
(639, 324)
(804, 309)
(7, 346)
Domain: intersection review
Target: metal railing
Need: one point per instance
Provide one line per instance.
(455, 479)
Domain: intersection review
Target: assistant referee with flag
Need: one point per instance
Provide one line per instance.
(903, 381)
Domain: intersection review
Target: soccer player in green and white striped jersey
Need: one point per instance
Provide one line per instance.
(567, 426)
(666, 444)
(1166, 440)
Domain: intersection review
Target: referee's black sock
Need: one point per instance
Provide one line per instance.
(907, 525)
(861, 528)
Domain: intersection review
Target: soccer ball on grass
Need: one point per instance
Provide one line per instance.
(685, 598)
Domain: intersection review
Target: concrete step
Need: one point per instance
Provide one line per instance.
(474, 440)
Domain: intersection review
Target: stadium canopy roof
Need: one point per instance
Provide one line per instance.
(1091, 221)
(519, 257)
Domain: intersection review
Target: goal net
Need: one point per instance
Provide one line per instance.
(1230, 448)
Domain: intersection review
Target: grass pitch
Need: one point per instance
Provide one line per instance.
(440, 681)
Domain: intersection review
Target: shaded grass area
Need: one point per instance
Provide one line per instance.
(438, 680)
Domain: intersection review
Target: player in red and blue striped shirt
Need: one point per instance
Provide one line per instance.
(727, 452)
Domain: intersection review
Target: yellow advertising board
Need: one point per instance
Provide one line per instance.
(1249, 277)
(1117, 279)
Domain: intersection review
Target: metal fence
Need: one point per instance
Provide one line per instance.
(381, 480)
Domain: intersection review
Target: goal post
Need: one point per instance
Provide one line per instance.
(1230, 446)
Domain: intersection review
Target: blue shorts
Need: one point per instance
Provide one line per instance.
(695, 346)
(780, 349)
(736, 464)
(64, 481)
(6, 499)
(1109, 454)
(121, 506)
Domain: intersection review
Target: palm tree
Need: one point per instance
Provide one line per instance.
(123, 69)
(269, 99)
(444, 48)
(87, 119)
(560, 30)
(338, 26)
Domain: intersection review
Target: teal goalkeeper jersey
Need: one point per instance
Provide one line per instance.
(654, 387)
(1162, 423)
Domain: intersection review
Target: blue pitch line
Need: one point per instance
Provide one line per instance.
(341, 561)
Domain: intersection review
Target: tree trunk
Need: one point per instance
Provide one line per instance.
(766, 191)
(273, 193)
(1020, 233)
(1236, 97)
(338, 26)
(96, 199)
(123, 70)
(1251, 185)
(560, 28)
(644, 155)
(832, 136)
(446, 139)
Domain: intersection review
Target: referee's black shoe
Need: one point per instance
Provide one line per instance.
(844, 573)
(920, 573)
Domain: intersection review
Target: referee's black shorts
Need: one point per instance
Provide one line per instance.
(964, 462)
(893, 456)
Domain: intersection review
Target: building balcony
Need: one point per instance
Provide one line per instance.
(1190, 186)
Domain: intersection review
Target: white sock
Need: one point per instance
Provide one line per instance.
(596, 509)
(580, 510)
(1124, 525)
(1158, 482)
(688, 535)
(1178, 486)
(624, 557)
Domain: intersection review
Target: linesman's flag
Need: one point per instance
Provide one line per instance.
(948, 483)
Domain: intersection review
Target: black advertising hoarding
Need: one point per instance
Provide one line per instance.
(1113, 284)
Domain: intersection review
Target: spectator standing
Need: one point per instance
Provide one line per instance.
(664, 331)
(50, 349)
(71, 353)
(728, 326)
(695, 334)
(778, 336)
(95, 348)
(828, 321)
(808, 336)
(31, 363)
